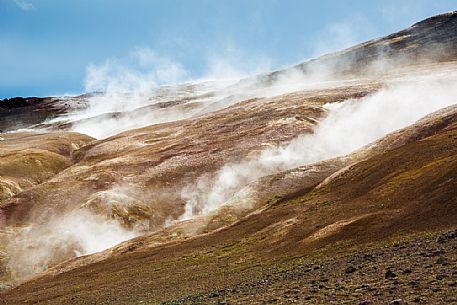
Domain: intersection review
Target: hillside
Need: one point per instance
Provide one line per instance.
(335, 187)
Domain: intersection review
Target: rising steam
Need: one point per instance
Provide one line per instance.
(145, 88)
(349, 125)
(38, 246)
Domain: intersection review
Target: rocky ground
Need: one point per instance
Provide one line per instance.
(422, 270)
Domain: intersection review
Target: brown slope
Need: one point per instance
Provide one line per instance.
(136, 177)
(28, 159)
(283, 186)
(407, 190)
(156, 161)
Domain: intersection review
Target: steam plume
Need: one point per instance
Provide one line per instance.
(349, 125)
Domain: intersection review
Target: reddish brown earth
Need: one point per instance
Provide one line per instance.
(393, 196)
(327, 232)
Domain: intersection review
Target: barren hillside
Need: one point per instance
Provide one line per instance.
(332, 182)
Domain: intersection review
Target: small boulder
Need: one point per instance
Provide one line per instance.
(407, 270)
(440, 277)
(390, 275)
(441, 261)
(350, 269)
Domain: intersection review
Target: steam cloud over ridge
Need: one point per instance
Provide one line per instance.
(349, 125)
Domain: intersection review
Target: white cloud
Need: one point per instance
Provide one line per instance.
(24, 5)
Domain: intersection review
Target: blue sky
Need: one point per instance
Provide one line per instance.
(47, 47)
